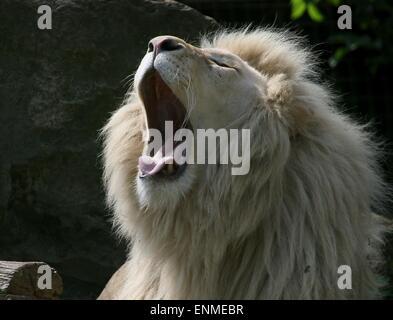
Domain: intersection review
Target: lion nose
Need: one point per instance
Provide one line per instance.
(164, 43)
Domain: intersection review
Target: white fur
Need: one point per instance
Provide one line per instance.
(279, 232)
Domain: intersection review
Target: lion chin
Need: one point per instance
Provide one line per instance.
(282, 230)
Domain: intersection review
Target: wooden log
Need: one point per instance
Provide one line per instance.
(20, 280)
(15, 297)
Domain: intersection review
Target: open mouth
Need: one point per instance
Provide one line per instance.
(161, 105)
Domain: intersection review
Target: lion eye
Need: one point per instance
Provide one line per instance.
(220, 63)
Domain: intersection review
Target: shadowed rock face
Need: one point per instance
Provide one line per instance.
(57, 89)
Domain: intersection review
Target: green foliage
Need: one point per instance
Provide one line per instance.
(371, 33)
(299, 7)
(314, 12)
(338, 55)
(335, 3)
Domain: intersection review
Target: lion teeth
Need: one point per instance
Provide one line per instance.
(169, 169)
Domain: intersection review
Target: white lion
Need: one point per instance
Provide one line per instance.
(280, 232)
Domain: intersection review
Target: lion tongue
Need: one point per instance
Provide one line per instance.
(149, 166)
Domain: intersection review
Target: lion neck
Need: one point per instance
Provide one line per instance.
(193, 250)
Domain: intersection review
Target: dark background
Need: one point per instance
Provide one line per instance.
(58, 88)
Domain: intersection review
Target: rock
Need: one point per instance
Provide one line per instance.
(57, 89)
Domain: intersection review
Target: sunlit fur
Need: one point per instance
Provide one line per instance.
(281, 231)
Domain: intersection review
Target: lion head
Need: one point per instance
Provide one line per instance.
(198, 231)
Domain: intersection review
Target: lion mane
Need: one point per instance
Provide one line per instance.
(279, 232)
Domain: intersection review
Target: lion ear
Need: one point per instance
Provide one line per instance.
(279, 90)
(281, 98)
